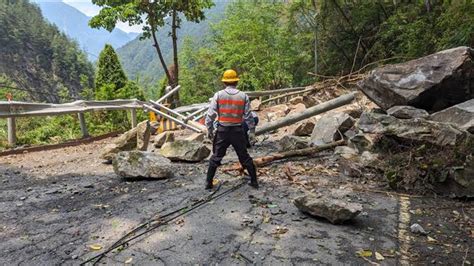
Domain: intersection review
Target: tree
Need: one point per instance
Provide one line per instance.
(111, 81)
(153, 15)
(109, 70)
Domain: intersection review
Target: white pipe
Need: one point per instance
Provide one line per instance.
(168, 94)
(171, 118)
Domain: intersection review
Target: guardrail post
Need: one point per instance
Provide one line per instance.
(11, 131)
(133, 114)
(82, 122)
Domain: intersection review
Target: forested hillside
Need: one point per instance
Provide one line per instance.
(37, 61)
(75, 24)
(139, 57)
(277, 44)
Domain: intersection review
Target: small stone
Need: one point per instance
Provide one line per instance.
(23, 198)
(74, 257)
(417, 229)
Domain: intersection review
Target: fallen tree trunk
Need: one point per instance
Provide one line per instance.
(261, 161)
(318, 109)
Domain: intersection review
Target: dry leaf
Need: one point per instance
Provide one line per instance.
(128, 261)
(95, 247)
(266, 219)
(379, 256)
(364, 253)
(215, 182)
(431, 240)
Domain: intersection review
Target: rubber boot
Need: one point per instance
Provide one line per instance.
(253, 175)
(211, 172)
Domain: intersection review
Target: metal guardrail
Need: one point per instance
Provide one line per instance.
(14, 109)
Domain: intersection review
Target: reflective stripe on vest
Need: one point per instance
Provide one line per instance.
(230, 107)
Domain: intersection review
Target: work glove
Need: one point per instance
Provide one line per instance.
(210, 134)
(252, 139)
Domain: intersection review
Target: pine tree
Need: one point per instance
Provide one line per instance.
(110, 76)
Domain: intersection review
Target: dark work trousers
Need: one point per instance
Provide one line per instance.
(226, 136)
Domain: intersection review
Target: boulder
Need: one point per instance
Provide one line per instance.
(140, 164)
(330, 127)
(363, 142)
(407, 112)
(255, 105)
(335, 210)
(197, 137)
(163, 137)
(143, 135)
(185, 150)
(304, 128)
(276, 112)
(289, 143)
(306, 100)
(461, 115)
(411, 129)
(125, 142)
(432, 83)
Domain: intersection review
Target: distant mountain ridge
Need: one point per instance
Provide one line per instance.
(75, 24)
(139, 57)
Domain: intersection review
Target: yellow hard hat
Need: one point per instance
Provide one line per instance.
(230, 76)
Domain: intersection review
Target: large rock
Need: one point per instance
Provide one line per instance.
(333, 209)
(125, 142)
(461, 114)
(185, 150)
(255, 105)
(289, 143)
(197, 137)
(304, 128)
(407, 112)
(163, 137)
(432, 83)
(306, 100)
(140, 164)
(330, 127)
(411, 129)
(143, 135)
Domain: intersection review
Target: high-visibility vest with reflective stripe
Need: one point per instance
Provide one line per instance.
(230, 108)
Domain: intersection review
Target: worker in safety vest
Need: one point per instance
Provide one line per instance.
(231, 107)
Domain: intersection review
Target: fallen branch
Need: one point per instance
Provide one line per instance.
(261, 161)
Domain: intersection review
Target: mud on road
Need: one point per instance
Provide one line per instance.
(55, 204)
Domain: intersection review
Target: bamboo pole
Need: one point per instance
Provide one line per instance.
(261, 161)
(317, 109)
(195, 113)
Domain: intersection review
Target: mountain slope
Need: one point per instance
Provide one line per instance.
(139, 57)
(37, 58)
(75, 24)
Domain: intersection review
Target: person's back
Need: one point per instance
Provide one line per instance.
(231, 108)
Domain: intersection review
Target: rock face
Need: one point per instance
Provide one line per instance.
(163, 137)
(335, 210)
(289, 143)
(330, 127)
(461, 114)
(411, 129)
(140, 164)
(185, 150)
(304, 129)
(407, 112)
(126, 142)
(432, 83)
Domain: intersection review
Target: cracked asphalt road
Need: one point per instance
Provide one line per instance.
(55, 204)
